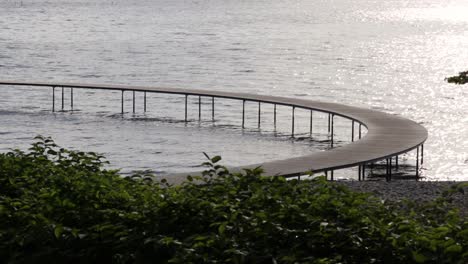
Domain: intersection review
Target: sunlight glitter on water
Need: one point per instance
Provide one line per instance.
(390, 56)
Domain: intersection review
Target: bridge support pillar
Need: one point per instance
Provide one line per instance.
(417, 162)
(422, 154)
(363, 177)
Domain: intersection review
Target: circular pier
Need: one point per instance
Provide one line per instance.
(387, 135)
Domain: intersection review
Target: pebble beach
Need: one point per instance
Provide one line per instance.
(417, 191)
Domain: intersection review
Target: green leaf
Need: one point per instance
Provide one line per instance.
(418, 257)
(58, 230)
(215, 159)
(456, 248)
(222, 228)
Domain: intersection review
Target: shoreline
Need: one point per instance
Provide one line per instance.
(416, 191)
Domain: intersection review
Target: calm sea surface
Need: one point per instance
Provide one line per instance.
(390, 56)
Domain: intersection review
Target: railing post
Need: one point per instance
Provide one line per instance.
(360, 125)
(63, 93)
(186, 99)
(212, 109)
(311, 123)
(329, 123)
(134, 101)
(53, 98)
(274, 115)
(352, 130)
(122, 107)
(243, 113)
(396, 162)
(332, 129)
(332, 175)
(71, 98)
(359, 173)
(292, 130)
(259, 113)
(144, 102)
(199, 108)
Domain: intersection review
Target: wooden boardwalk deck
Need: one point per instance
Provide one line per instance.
(387, 136)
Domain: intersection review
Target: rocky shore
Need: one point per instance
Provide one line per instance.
(418, 191)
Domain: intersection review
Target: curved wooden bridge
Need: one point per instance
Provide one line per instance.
(388, 136)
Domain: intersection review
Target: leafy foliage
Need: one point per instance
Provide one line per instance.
(58, 205)
(462, 78)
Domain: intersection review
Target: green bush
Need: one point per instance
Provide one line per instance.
(62, 206)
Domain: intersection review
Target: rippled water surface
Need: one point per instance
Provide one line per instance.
(390, 56)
